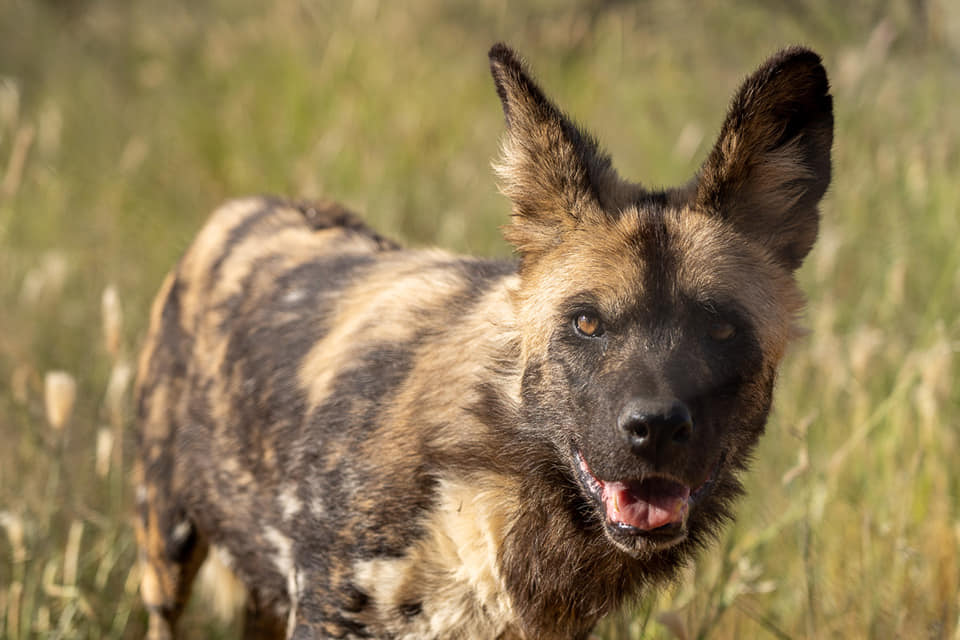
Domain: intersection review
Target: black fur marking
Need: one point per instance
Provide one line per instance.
(479, 274)
(355, 600)
(343, 422)
(318, 216)
(348, 628)
(240, 232)
(326, 215)
(278, 328)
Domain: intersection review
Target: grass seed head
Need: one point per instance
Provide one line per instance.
(104, 449)
(112, 319)
(13, 524)
(116, 394)
(60, 393)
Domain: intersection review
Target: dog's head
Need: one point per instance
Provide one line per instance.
(653, 321)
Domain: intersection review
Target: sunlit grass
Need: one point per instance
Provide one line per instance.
(122, 124)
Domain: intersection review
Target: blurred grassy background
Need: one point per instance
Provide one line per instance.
(122, 123)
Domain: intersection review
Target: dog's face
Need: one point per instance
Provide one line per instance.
(652, 323)
(656, 377)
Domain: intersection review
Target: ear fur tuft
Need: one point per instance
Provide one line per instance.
(555, 173)
(771, 164)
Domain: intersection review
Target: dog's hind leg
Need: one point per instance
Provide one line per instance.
(262, 623)
(171, 553)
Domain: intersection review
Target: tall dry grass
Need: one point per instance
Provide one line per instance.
(122, 123)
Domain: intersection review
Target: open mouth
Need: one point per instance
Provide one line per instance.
(655, 507)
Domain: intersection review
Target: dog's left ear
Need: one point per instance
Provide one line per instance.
(771, 165)
(554, 173)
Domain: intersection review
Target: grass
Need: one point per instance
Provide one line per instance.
(123, 123)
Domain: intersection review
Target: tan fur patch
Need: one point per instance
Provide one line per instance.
(209, 244)
(719, 263)
(491, 330)
(452, 571)
(386, 306)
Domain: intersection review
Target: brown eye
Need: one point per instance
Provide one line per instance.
(721, 331)
(588, 325)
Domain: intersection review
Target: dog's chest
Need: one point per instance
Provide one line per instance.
(447, 584)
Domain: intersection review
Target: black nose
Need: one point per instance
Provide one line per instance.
(648, 427)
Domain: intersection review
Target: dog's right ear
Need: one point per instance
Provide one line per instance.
(771, 165)
(550, 169)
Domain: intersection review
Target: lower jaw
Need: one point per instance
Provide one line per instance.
(637, 541)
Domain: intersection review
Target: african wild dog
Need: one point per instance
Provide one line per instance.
(391, 443)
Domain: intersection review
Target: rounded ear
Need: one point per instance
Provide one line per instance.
(771, 165)
(554, 173)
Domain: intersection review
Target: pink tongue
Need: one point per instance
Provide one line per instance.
(646, 506)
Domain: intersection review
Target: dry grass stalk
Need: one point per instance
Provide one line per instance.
(803, 463)
(13, 610)
(42, 623)
(49, 130)
(20, 383)
(104, 449)
(46, 280)
(115, 397)
(18, 159)
(675, 624)
(60, 393)
(14, 527)
(131, 585)
(71, 554)
(112, 315)
(9, 104)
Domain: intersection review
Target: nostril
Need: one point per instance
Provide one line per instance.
(683, 433)
(636, 427)
(682, 424)
(639, 429)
